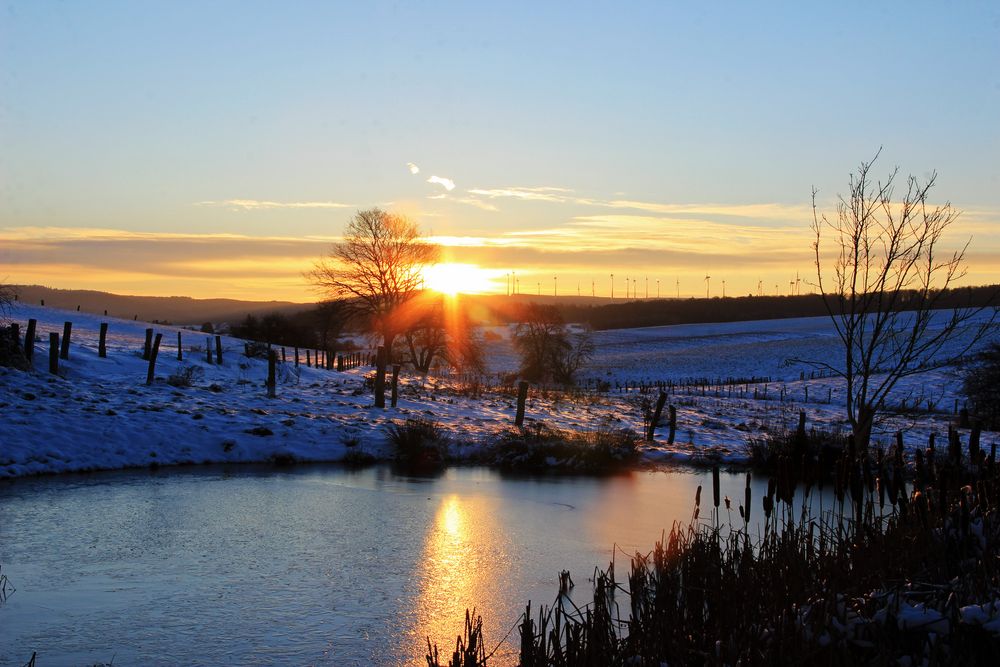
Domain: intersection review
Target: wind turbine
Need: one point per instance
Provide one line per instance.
(657, 288)
(708, 283)
(723, 289)
(555, 285)
(678, 288)
(612, 285)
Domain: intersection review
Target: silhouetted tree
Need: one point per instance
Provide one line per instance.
(376, 268)
(437, 332)
(549, 352)
(883, 288)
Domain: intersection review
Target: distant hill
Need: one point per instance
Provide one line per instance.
(178, 310)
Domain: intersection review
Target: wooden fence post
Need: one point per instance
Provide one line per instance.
(522, 396)
(395, 383)
(272, 359)
(102, 343)
(340, 363)
(380, 378)
(29, 339)
(284, 355)
(656, 416)
(67, 330)
(148, 347)
(218, 350)
(296, 357)
(180, 348)
(308, 358)
(208, 349)
(673, 424)
(152, 358)
(53, 353)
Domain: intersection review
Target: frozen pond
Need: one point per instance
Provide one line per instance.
(310, 565)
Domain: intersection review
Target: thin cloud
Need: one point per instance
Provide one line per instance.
(545, 193)
(256, 204)
(446, 183)
(414, 169)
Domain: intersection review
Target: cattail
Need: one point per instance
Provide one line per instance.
(746, 499)
(726, 499)
(697, 497)
(715, 485)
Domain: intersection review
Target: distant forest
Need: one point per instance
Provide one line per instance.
(695, 311)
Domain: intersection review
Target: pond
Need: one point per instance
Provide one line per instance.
(317, 565)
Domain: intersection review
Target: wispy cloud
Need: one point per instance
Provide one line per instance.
(545, 193)
(255, 204)
(446, 183)
(414, 169)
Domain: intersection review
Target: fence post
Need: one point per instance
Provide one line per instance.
(208, 349)
(218, 350)
(522, 396)
(673, 425)
(53, 353)
(308, 358)
(29, 339)
(67, 330)
(380, 378)
(180, 348)
(102, 343)
(296, 357)
(148, 347)
(152, 358)
(656, 416)
(272, 359)
(340, 363)
(395, 383)
(284, 355)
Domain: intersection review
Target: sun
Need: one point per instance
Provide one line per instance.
(450, 278)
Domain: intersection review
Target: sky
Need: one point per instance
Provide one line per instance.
(218, 149)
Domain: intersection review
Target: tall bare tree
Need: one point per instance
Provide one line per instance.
(376, 269)
(884, 288)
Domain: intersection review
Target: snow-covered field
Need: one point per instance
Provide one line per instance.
(99, 413)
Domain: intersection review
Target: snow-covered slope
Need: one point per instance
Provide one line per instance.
(99, 413)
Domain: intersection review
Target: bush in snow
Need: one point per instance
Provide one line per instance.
(539, 446)
(418, 441)
(981, 385)
(185, 376)
(11, 351)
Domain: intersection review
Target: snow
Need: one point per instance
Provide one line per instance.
(99, 413)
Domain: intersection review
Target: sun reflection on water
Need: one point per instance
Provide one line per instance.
(465, 563)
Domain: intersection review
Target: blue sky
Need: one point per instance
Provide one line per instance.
(656, 124)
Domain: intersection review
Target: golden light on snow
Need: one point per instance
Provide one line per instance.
(453, 278)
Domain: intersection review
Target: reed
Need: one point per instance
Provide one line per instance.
(903, 567)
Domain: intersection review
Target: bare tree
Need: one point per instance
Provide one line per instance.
(375, 269)
(438, 331)
(549, 352)
(885, 288)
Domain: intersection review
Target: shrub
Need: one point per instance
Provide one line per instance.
(255, 350)
(185, 376)
(418, 441)
(11, 350)
(812, 446)
(542, 447)
(981, 386)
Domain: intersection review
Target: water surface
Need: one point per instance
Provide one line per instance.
(312, 565)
